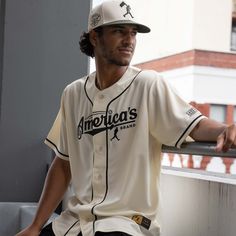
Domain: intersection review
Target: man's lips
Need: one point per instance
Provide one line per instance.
(126, 50)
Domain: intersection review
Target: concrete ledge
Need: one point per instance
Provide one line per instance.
(10, 217)
(14, 216)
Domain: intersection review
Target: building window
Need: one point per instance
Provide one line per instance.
(233, 37)
(233, 33)
(218, 112)
(234, 117)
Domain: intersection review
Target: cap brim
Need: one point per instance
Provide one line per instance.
(140, 27)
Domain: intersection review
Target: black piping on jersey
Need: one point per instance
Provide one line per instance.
(107, 140)
(91, 183)
(86, 90)
(186, 130)
(57, 148)
(71, 228)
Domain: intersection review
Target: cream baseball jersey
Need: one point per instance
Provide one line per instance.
(112, 139)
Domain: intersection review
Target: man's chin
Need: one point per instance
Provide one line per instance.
(120, 62)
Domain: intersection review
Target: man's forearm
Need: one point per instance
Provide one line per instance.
(207, 130)
(56, 184)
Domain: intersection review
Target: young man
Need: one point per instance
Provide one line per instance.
(108, 136)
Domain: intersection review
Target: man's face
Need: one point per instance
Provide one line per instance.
(116, 44)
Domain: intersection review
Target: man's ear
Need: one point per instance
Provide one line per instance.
(93, 37)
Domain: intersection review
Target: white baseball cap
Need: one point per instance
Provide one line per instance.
(114, 12)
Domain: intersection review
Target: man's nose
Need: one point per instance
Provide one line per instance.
(129, 38)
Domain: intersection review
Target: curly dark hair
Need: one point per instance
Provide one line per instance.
(85, 45)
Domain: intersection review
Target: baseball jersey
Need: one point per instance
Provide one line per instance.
(112, 139)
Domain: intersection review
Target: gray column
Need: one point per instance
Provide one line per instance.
(41, 55)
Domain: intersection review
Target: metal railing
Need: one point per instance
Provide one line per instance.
(199, 148)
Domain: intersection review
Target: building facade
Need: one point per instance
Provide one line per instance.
(196, 52)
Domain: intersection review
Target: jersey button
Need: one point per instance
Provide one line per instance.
(101, 96)
(99, 177)
(100, 149)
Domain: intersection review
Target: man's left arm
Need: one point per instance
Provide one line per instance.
(210, 130)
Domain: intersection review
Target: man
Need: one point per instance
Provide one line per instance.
(108, 136)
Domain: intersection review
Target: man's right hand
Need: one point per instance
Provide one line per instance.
(29, 231)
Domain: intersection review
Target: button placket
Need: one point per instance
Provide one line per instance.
(99, 171)
(99, 142)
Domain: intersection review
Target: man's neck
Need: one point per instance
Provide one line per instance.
(107, 76)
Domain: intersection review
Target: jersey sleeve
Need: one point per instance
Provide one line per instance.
(57, 137)
(172, 118)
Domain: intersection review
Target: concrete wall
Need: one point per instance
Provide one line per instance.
(212, 25)
(193, 83)
(40, 56)
(182, 25)
(197, 207)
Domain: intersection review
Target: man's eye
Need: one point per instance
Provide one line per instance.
(118, 31)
